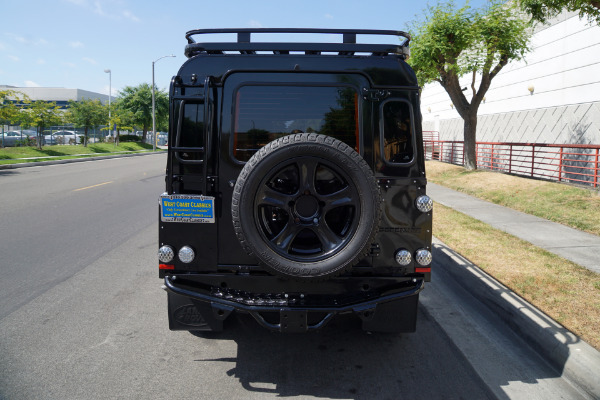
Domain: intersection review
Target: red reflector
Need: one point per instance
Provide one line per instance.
(166, 266)
(423, 270)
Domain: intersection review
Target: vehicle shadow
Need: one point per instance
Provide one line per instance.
(342, 361)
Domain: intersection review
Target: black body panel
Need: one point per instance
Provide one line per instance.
(204, 158)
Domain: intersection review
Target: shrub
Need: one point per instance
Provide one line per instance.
(129, 138)
(27, 141)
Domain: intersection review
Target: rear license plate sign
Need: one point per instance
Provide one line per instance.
(187, 208)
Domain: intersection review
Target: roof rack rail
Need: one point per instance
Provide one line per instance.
(244, 44)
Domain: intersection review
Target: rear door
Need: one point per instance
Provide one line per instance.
(261, 107)
(192, 172)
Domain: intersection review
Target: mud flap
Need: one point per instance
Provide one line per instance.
(391, 317)
(187, 314)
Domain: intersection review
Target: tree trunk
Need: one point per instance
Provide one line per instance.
(40, 133)
(470, 142)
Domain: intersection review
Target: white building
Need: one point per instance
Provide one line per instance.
(61, 96)
(553, 96)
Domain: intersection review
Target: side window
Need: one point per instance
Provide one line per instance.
(265, 113)
(192, 130)
(398, 137)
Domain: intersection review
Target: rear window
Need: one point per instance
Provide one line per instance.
(192, 130)
(265, 113)
(397, 144)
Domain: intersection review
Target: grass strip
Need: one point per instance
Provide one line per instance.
(569, 205)
(14, 155)
(567, 292)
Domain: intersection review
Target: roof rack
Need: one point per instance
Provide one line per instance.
(244, 44)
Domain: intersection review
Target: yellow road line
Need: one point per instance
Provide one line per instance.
(93, 186)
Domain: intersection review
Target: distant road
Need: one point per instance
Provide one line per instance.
(82, 315)
(57, 219)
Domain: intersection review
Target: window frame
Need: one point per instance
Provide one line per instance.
(179, 132)
(382, 132)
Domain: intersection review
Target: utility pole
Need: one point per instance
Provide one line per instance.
(108, 71)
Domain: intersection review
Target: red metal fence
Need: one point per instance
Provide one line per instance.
(431, 135)
(574, 163)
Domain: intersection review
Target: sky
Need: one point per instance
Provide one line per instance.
(70, 43)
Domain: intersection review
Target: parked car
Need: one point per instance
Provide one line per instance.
(295, 184)
(13, 138)
(162, 138)
(63, 137)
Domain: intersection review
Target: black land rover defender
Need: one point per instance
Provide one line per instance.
(295, 183)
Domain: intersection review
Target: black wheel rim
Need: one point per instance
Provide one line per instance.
(307, 209)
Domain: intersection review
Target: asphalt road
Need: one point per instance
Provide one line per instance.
(82, 315)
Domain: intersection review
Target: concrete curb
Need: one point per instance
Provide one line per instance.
(576, 360)
(74, 160)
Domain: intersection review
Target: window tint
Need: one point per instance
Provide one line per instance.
(397, 132)
(192, 130)
(265, 113)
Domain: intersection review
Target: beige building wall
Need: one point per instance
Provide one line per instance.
(553, 96)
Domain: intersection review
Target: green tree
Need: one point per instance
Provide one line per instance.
(8, 109)
(138, 100)
(87, 114)
(121, 117)
(10, 112)
(542, 10)
(451, 44)
(42, 114)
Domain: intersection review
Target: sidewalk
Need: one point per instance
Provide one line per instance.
(580, 247)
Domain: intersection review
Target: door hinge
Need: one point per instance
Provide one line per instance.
(375, 250)
(213, 182)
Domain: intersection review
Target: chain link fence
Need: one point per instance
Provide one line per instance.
(15, 135)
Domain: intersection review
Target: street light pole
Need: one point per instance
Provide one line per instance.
(153, 106)
(108, 71)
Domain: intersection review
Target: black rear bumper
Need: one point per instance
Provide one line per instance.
(203, 302)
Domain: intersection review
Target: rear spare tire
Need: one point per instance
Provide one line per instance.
(307, 206)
